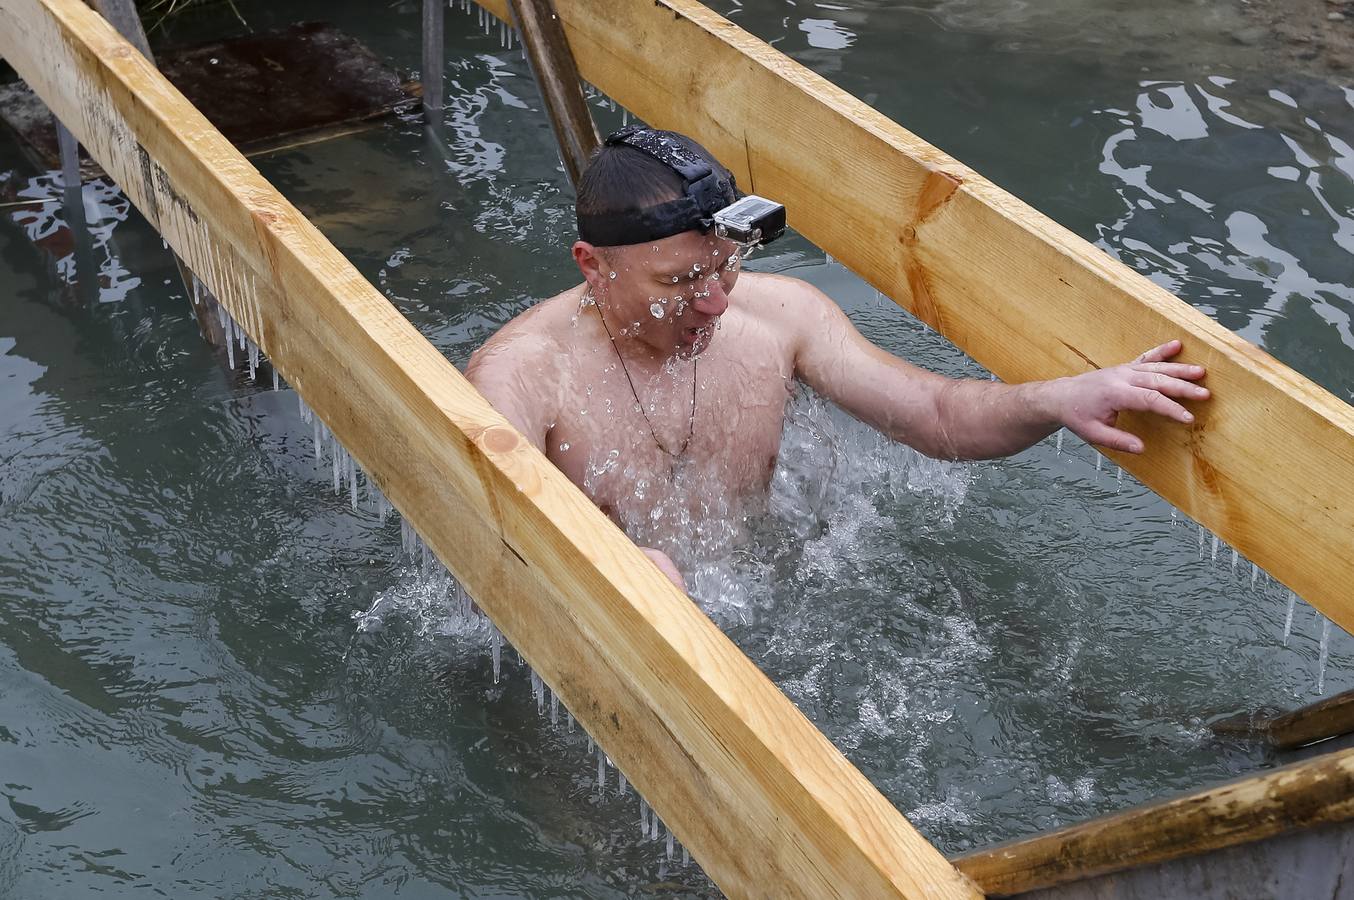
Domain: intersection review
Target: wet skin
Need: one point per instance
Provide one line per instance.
(559, 370)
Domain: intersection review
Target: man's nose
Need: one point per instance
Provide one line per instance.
(712, 300)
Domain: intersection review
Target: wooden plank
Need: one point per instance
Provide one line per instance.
(1268, 463)
(552, 63)
(761, 798)
(1303, 795)
(1318, 862)
(1326, 718)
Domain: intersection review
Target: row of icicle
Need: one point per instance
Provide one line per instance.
(1206, 538)
(347, 476)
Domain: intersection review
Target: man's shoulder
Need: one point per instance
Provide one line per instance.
(532, 336)
(783, 302)
(781, 291)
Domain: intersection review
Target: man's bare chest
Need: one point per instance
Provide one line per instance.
(624, 434)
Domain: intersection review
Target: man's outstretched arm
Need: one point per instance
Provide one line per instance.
(965, 419)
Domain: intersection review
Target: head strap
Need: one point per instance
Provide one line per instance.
(705, 192)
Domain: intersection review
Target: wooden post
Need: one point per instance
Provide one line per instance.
(122, 15)
(764, 802)
(434, 56)
(70, 178)
(1302, 795)
(1268, 464)
(552, 62)
(1326, 718)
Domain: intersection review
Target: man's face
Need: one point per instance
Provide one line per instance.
(669, 293)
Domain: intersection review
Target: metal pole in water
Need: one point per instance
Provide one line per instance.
(86, 275)
(433, 56)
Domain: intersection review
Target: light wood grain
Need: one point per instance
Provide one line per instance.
(1303, 795)
(761, 798)
(1020, 294)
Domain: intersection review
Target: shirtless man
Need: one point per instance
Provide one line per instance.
(659, 385)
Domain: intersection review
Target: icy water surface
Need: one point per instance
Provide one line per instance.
(217, 679)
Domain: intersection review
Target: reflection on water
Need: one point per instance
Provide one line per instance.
(1251, 216)
(38, 211)
(188, 701)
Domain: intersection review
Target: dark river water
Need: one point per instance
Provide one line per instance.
(218, 679)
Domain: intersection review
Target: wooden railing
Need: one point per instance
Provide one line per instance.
(763, 801)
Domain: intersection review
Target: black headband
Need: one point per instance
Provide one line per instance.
(705, 192)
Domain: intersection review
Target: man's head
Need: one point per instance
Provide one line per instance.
(645, 243)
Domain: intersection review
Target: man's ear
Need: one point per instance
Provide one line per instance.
(590, 263)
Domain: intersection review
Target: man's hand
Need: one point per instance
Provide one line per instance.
(1089, 405)
(666, 566)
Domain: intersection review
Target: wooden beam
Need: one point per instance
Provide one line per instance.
(1268, 463)
(765, 803)
(1326, 718)
(1303, 795)
(552, 62)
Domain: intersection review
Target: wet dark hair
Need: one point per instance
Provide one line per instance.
(620, 179)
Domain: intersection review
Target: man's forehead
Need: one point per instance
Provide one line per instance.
(676, 251)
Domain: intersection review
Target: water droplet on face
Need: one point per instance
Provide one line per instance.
(564, 446)
(675, 279)
(656, 310)
(611, 275)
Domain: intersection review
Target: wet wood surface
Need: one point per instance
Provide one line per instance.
(763, 800)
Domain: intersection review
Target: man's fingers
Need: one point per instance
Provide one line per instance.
(1103, 435)
(1168, 385)
(1163, 352)
(1174, 370)
(666, 566)
(1155, 401)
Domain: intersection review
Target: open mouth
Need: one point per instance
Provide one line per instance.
(698, 334)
